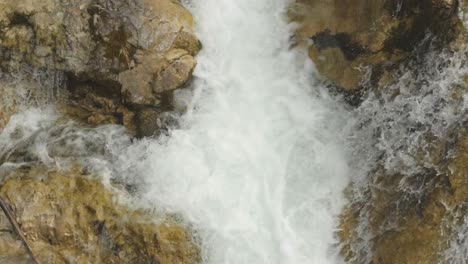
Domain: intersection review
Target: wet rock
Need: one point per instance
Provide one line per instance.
(147, 83)
(349, 40)
(411, 206)
(405, 227)
(69, 217)
(132, 52)
(147, 121)
(16, 94)
(92, 39)
(85, 105)
(7, 107)
(137, 82)
(175, 75)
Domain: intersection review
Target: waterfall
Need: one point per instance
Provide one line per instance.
(257, 164)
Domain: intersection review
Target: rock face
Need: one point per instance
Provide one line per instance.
(100, 62)
(349, 40)
(410, 207)
(409, 227)
(7, 105)
(402, 66)
(68, 217)
(116, 57)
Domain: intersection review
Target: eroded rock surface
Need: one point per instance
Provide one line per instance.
(402, 66)
(100, 62)
(411, 227)
(349, 40)
(116, 57)
(69, 217)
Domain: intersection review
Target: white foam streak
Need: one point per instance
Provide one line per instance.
(257, 166)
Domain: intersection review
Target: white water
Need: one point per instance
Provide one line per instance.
(257, 166)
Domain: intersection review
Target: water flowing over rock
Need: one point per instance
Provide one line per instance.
(402, 65)
(97, 62)
(268, 164)
(115, 57)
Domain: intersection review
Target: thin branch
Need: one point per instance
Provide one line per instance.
(16, 227)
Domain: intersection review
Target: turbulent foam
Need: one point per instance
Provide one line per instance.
(257, 165)
(36, 135)
(457, 252)
(259, 161)
(407, 129)
(396, 126)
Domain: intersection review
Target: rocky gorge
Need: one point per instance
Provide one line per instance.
(402, 66)
(98, 62)
(109, 61)
(83, 80)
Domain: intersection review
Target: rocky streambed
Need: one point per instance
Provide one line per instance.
(80, 79)
(95, 63)
(402, 67)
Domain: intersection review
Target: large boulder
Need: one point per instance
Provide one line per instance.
(350, 40)
(402, 66)
(132, 52)
(70, 217)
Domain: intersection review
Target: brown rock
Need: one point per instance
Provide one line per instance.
(147, 121)
(15, 95)
(413, 212)
(156, 75)
(175, 75)
(7, 106)
(132, 52)
(71, 218)
(136, 82)
(87, 106)
(345, 37)
(406, 229)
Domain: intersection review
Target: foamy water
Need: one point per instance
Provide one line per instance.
(257, 166)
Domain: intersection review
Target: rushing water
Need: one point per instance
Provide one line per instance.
(257, 165)
(397, 130)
